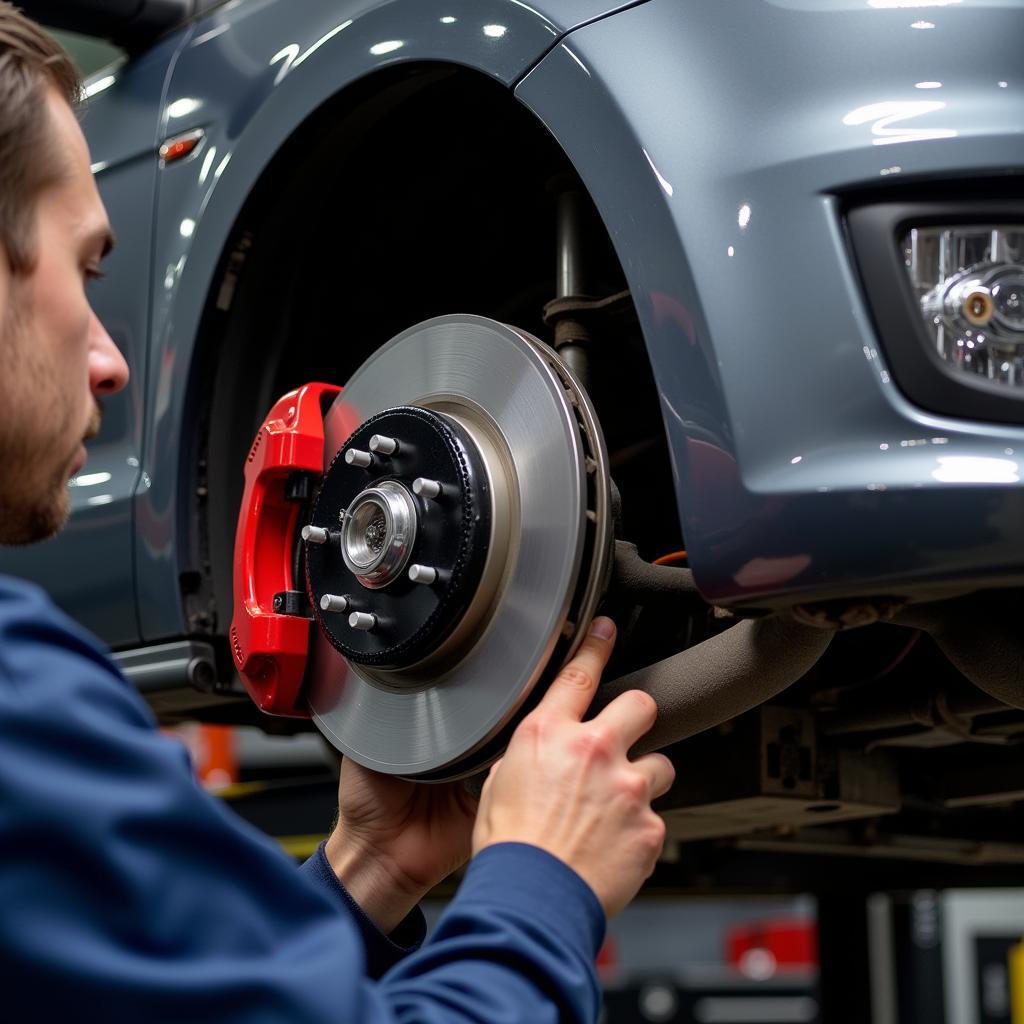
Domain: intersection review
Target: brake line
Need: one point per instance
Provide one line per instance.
(671, 558)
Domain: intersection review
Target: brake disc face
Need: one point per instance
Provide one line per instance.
(464, 539)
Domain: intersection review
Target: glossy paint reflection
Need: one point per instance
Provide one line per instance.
(801, 467)
(888, 121)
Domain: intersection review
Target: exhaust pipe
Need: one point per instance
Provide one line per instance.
(982, 639)
(722, 677)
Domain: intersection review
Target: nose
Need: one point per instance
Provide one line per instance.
(108, 372)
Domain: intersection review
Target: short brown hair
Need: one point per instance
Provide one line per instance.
(30, 61)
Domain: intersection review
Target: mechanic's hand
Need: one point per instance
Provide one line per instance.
(395, 840)
(568, 786)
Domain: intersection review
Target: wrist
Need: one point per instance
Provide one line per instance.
(383, 893)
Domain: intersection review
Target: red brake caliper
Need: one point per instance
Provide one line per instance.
(270, 648)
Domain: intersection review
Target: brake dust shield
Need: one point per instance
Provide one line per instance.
(457, 547)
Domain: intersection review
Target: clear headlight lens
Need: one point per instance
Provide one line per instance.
(970, 284)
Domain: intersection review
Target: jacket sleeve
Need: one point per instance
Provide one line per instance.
(127, 893)
(381, 951)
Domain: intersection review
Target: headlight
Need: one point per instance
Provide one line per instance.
(970, 285)
(944, 281)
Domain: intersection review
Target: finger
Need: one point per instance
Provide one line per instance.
(485, 788)
(659, 772)
(574, 687)
(629, 716)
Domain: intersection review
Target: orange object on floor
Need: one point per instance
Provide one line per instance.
(212, 749)
(216, 763)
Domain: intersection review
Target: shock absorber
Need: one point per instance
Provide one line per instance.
(572, 338)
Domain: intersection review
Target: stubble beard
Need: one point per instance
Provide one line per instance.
(34, 498)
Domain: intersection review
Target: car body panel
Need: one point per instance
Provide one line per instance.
(723, 145)
(249, 75)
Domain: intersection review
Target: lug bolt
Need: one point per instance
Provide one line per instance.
(422, 574)
(383, 445)
(362, 620)
(314, 535)
(334, 603)
(355, 457)
(426, 488)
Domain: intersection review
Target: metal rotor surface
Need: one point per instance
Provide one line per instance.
(470, 366)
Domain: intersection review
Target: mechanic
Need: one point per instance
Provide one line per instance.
(126, 891)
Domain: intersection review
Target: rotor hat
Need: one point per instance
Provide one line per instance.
(377, 523)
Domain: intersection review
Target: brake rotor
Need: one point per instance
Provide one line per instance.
(458, 546)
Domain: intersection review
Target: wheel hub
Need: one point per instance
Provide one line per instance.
(427, 493)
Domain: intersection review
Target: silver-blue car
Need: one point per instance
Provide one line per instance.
(707, 313)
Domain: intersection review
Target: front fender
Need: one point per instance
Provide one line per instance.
(717, 141)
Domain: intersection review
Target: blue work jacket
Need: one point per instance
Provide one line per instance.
(128, 894)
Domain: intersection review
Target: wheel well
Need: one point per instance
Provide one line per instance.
(424, 191)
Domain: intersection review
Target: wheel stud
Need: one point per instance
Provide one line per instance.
(422, 574)
(355, 457)
(362, 620)
(426, 488)
(314, 535)
(383, 445)
(334, 603)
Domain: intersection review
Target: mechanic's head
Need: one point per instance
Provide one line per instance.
(56, 357)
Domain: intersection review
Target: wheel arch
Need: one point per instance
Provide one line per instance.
(499, 246)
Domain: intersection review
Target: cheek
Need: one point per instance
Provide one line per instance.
(49, 375)
(61, 312)
(63, 322)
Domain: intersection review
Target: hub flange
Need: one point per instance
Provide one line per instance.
(376, 525)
